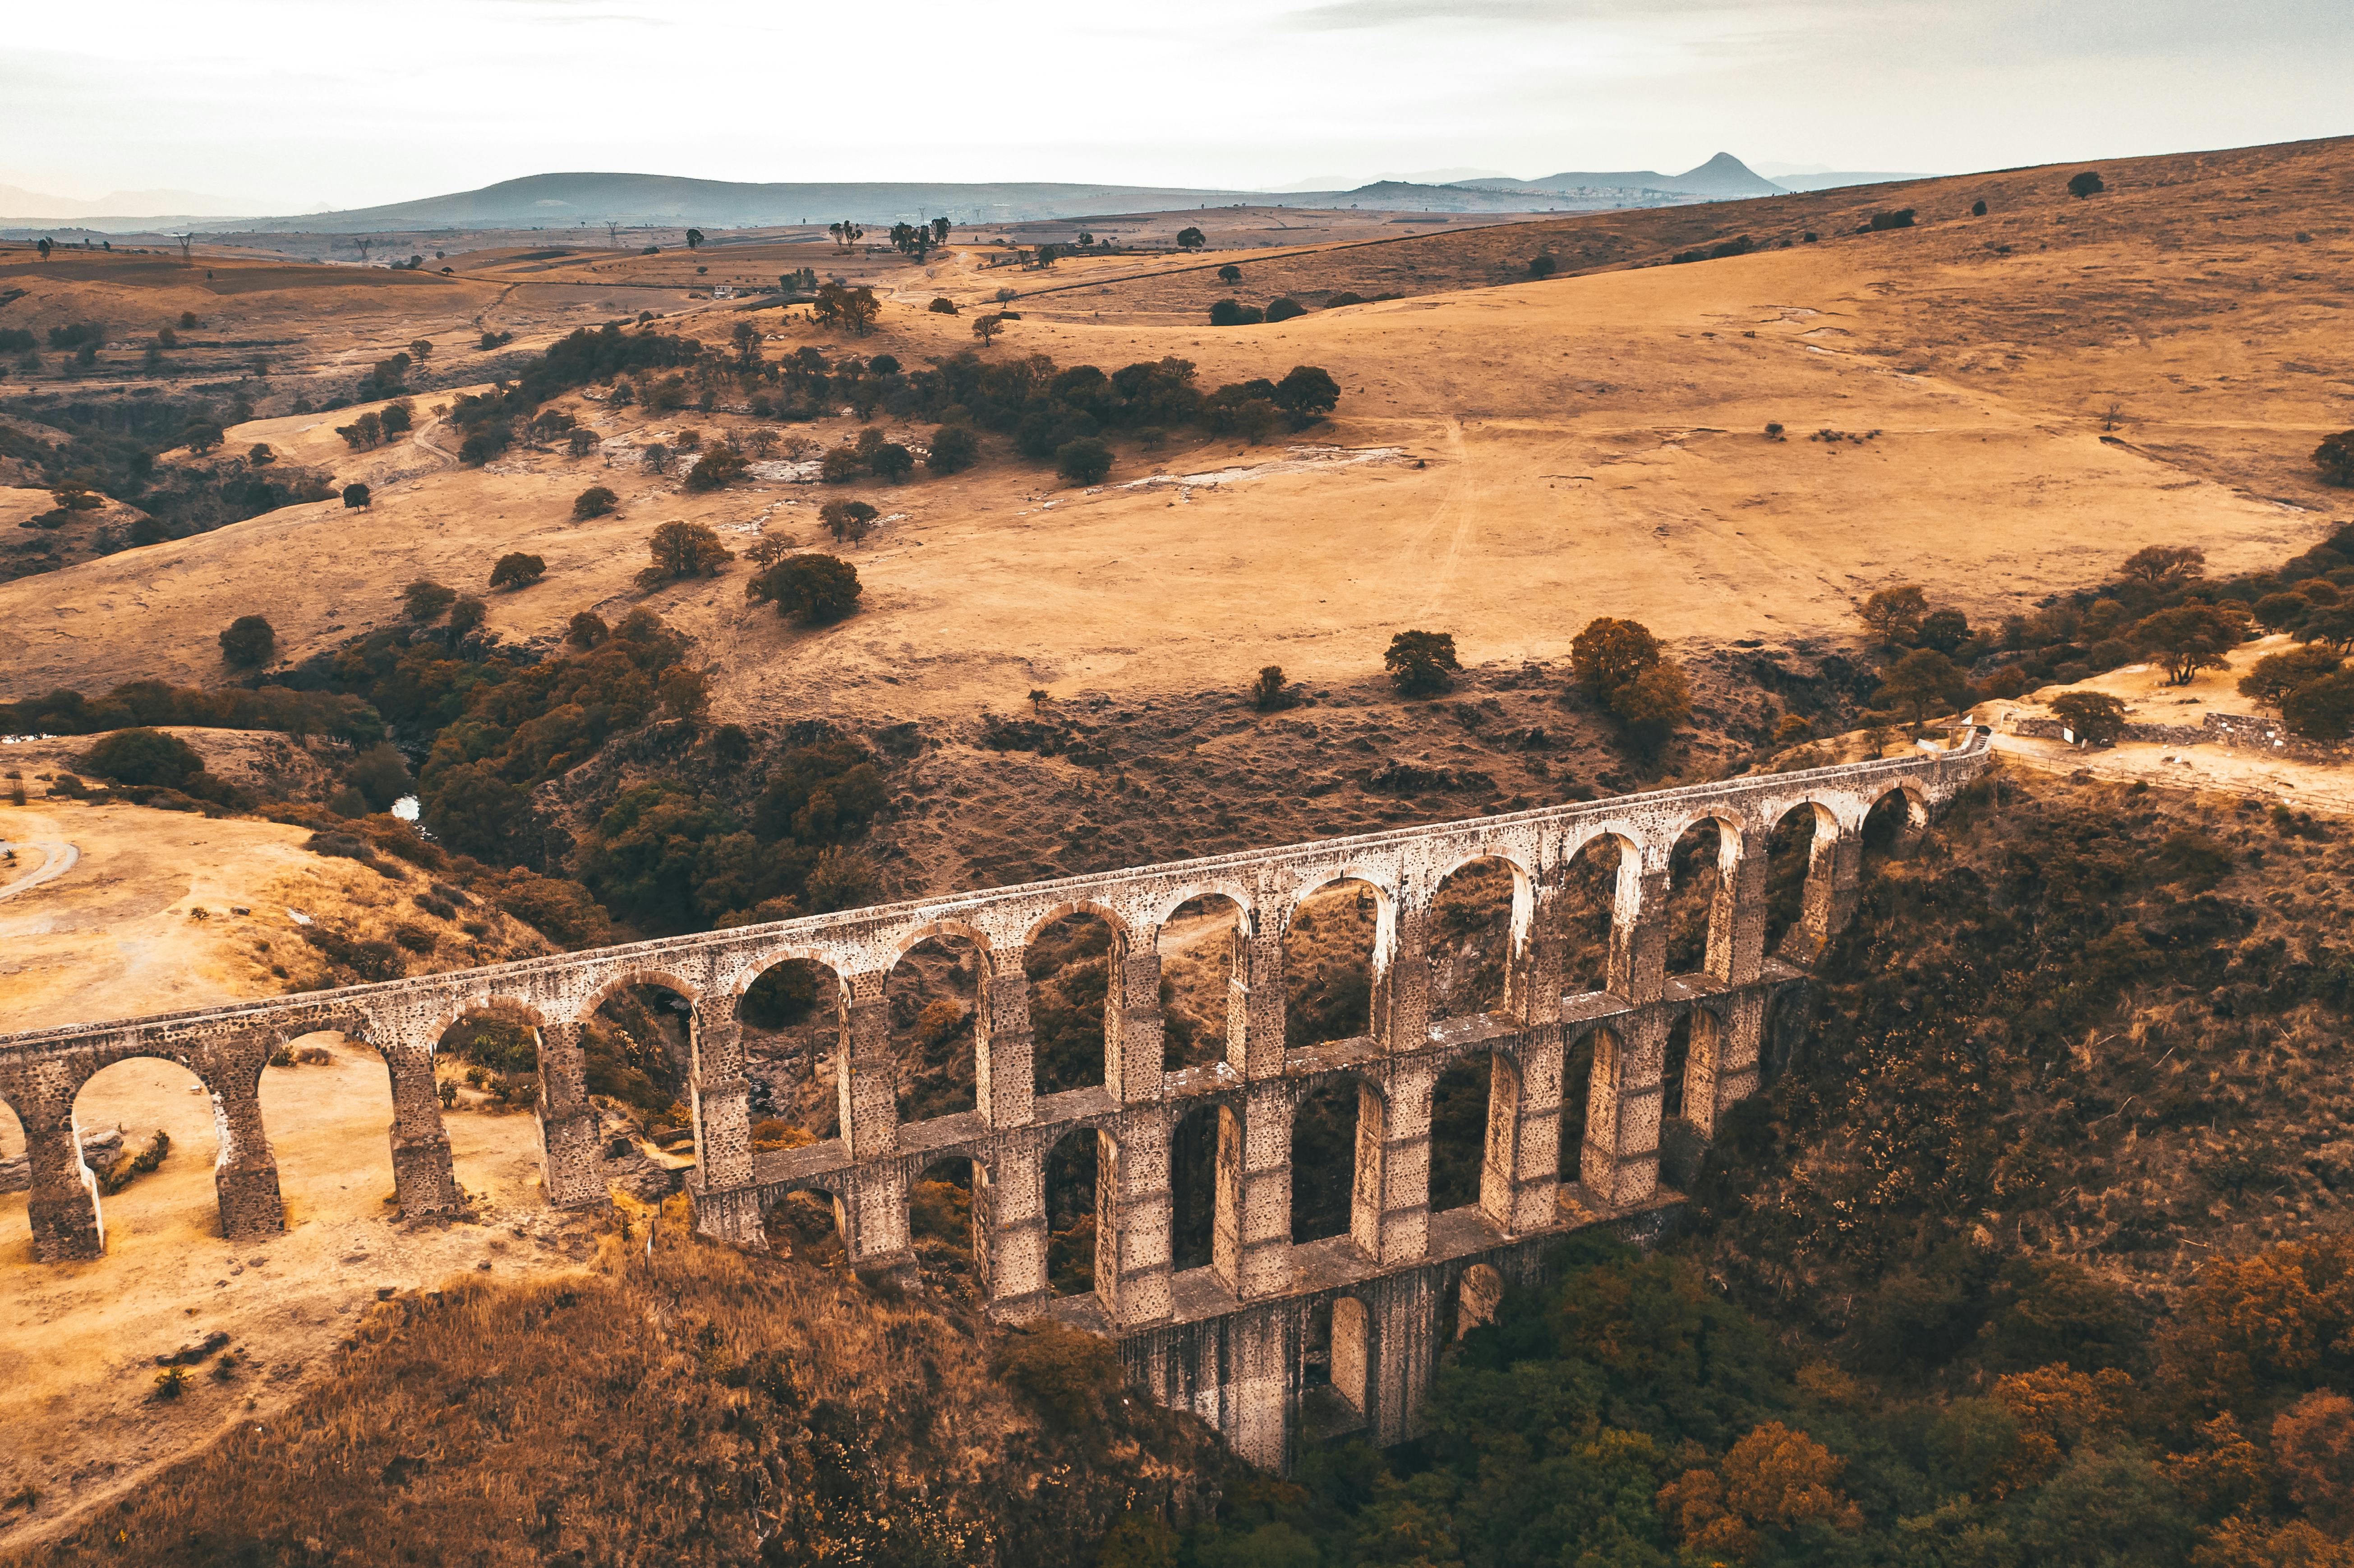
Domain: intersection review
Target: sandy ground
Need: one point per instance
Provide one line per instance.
(2211, 766)
(118, 934)
(78, 1341)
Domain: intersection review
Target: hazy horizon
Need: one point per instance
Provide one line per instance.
(267, 107)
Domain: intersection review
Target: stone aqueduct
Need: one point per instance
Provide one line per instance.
(1226, 1341)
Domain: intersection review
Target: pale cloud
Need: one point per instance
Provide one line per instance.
(352, 105)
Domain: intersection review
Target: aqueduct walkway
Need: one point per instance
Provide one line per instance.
(1226, 1341)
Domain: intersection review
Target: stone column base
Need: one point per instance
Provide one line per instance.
(422, 1178)
(66, 1226)
(249, 1202)
(571, 1159)
(730, 1214)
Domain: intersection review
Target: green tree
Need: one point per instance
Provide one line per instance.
(2158, 568)
(1653, 702)
(715, 470)
(594, 502)
(2335, 458)
(815, 590)
(1191, 239)
(890, 463)
(2323, 709)
(471, 810)
(1608, 655)
(1420, 662)
(1284, 308)
(142, 756)
(424, 600)
(2275, 675)
(249, 642)
(2094, 717)
(942, 306)
(1230, 273)
(517, 570)
(201, 437)
(850, 519)
(954, 448)
(2187, 639)
(694, 239)
(986, 327)
(854, 309)
(681, 549)
(1924, 682)
(1894, 615)
(2085, 183)
(1082, 462)
(261, 456)
(1306, 395)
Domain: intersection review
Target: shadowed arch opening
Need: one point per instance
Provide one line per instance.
(1332, 1368)
(1194, 1152)
(1324, 1160)
(1197, 962)
(488, 1060)
(1477, 1298)
(638, 1042)
(805, 1225)
(1796, 852)
(791, 1018)
(944, 1225)
(1070, 1179)
(1328, 965)
(149, 1135)
(15, 1182)
(1459, 1130)
(1068, 962)
(1469, 938)
(932, 996)
(1784, 1033)
(1695, 890)
(1893, 827)
(326, 1102)
(1585, 905)
(1577, 1097)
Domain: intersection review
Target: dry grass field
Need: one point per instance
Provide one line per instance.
(1566, 448)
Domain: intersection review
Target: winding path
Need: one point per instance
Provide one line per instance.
(60, 858)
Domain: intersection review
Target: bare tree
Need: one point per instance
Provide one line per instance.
(185, 241)
(360, 243)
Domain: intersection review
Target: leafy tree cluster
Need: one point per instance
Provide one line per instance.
(337, 715)
(489, 419)
(1620, 664)
(671, 860)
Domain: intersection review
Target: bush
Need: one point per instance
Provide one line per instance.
(2335, 458)
(1420, 661)
(840, 466)
(954, 449)
(355, 496)
(1268, 692)
(2323, 709)
(942, 306)
(1230, 273)
(813, 588)
(715, 471)
(594, 502)
(517, 570)
(1232, 312)
(2093, 717)
(1082, 462)
(249, 642)
(2084, 184)
(1880, 221)
(1284, 309)
(142, 756)
(1070, 1373)
(683, 550)
(425, 599)
(849, 520)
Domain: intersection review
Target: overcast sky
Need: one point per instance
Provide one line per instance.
(289, 105)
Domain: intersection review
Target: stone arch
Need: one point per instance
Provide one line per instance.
(933, 1206)
(1594, 1058)
(1475, 932)
(945, 925)
(790, 1023)
(148, 1091)
(1895, 833)
(1336, 957)
(1477, 1296)
(1327, 1137)
(630, 978)
(806, 1220)
(1384, 897)
(1697, 918)
(1202, 1136)
(1072, 1170)
(934, 995)
(324, 1103)
(1588, 881)
(1197, 978)
(1057, 910)
(1801, 849)
(1240, 894)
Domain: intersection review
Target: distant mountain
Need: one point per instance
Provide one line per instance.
(18, 203)
(1722, 176)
